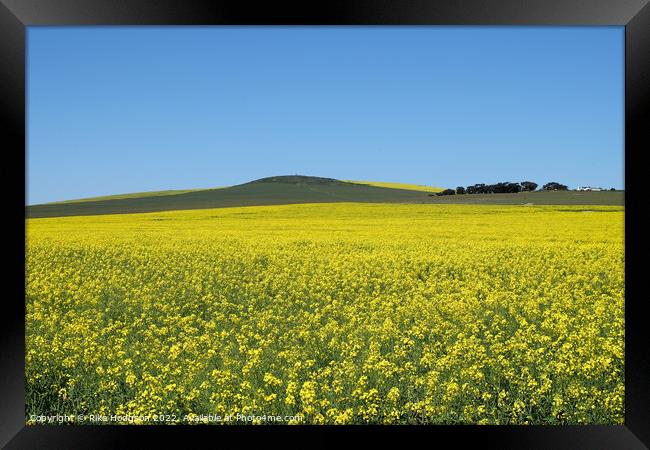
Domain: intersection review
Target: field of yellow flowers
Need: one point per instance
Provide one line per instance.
(330, 313)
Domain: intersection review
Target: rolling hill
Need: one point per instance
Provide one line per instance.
(292, 189)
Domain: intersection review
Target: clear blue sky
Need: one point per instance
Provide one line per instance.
(118, 109)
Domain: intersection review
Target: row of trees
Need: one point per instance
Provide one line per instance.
(503, 188)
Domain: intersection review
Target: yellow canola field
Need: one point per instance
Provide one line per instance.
(330, 313)
(408, 187)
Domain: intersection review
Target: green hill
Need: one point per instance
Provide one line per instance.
(300, 189)
(266, 191)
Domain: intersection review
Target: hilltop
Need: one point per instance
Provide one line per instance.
(297, 179)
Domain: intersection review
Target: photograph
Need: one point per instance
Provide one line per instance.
(325, 225)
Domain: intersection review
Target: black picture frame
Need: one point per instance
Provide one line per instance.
(16, 15)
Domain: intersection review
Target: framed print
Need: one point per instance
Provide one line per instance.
(347, 218)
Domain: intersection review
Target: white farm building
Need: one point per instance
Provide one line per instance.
(590, 188)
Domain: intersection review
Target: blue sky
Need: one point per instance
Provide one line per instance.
(128, 109)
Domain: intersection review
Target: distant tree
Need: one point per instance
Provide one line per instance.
(504, 187)
(553, 186)
(498, 188)
(612, 189)
(507, 188)
(447, 192)
(528, 186)
(481, 188)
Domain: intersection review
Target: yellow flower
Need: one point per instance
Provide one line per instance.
(337, 313)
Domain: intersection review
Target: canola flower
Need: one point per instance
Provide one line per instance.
(407, 186)
(341, 313)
